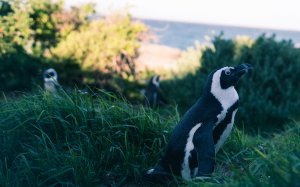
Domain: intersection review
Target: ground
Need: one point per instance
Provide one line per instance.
(152, 56)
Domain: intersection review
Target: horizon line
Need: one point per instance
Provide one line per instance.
(209, 23)
(220, 24)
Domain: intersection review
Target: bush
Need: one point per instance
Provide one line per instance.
(84, 51)
(97, 45)
(27, 29)
(19, 71)
(269, 97)
(186, 90)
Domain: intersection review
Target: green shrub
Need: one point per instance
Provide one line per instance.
(19, 71)
(269, 96)
(186, 90)
(27, 30)
(97, 45)
(182, 91)
(83, 51)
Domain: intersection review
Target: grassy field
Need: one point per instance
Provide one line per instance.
(76, 140)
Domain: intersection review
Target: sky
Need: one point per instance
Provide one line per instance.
(273, 14)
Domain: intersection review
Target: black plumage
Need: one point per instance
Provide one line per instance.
(153, 96)
(203, 128)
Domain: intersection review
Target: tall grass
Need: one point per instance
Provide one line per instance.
(76, 140)
(259, 161)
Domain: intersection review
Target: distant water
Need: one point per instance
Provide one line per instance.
(182, 35)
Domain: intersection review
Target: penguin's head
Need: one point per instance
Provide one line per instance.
(50, 75)
(229, 76)
(155, 80)
(221, 83)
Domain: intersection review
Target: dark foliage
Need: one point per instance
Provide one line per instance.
(269, 96)
(16, 73)
(5, 8)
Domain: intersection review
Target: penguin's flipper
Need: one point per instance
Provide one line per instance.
(204, 146)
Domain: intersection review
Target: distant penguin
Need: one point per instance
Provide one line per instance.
(50, 80)
(202, 130)
(152, 94)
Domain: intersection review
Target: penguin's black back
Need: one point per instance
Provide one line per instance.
(204, 127)
(203, 111)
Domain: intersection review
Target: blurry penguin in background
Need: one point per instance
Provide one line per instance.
(50, 80)
(152, 94)
(51, 85)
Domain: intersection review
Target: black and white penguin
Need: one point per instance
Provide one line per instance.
(152, 94)
(51, 85)
(50, 80)
(203, 129)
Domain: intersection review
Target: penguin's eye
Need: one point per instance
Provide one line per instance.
(227, 72)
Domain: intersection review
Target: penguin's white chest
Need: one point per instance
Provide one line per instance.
(50, 86)
(186, 170)
(227, 98)
(225, 133)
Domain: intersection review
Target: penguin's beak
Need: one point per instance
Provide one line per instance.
(241, 69)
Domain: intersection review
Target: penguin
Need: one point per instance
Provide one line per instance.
(203, 129)
(50, 80)
(152, 94)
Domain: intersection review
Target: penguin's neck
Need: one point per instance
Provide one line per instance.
(227, 97)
